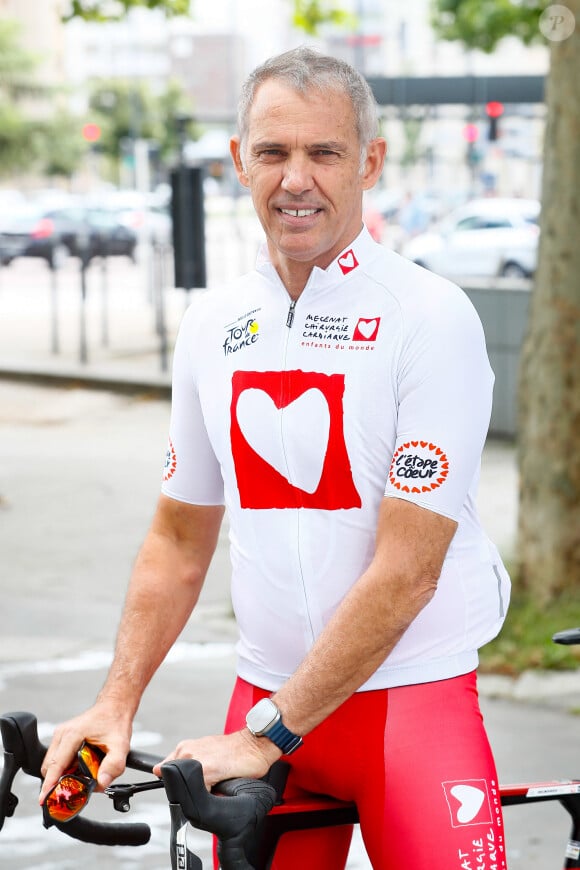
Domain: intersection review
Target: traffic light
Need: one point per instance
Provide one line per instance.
(91, 133)
(494, 111)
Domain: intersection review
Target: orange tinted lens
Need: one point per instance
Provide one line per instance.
(91, 758)
(67, 798)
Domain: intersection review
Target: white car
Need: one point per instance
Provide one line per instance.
(484, 238)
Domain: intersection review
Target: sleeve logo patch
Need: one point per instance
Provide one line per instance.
(170, 462)
(418, 466)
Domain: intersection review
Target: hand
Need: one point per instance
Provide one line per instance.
(226, 756)
(104, 725)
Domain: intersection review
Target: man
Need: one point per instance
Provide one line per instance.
(337, 401)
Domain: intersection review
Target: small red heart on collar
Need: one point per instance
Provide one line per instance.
(347, 262)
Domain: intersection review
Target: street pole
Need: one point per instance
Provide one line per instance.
(83, 243)
(54, 331)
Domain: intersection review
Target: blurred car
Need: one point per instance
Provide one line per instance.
(26, 231)
(146, 214)
(484, 238)
(58, 233)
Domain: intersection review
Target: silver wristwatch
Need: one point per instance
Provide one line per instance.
(265, 720)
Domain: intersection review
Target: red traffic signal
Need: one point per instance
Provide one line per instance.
(91, 132)
(494, 109)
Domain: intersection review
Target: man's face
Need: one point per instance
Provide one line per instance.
(301, 163)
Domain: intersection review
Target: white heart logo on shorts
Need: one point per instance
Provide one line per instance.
(292, 439)
(470, 802)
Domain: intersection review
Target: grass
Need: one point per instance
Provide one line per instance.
(525, 641)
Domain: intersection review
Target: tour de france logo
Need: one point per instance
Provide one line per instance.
(418, 466)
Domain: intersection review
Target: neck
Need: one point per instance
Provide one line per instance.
(294, 279)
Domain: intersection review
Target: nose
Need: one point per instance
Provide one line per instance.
(297, 175)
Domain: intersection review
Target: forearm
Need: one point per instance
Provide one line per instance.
(160, 598)
(372, 617)
(164, 588)
(359, 637)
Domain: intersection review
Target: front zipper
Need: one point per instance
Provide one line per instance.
(290, 318)
(309, 628)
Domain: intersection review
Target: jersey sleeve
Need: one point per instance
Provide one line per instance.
(191, 472)
(445, 386)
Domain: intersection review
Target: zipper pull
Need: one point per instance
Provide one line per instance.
(290, 318)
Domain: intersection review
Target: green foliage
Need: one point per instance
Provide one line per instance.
(29, 141)
(525, 640)
(19, 135)
(311, 15)
(308, 15)
(62, 145)
(128, 110)
(482, 24)
(16, 65)
(412, 128)
(114, 10)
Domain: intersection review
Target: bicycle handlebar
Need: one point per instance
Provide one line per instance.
(569, 636)
(24, 751)
(232, 811)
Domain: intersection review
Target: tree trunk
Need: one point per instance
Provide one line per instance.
(549, 394)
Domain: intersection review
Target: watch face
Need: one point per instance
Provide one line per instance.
(262, 715)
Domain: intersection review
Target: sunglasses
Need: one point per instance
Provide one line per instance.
(72, 791)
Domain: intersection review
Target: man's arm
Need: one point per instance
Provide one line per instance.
(402, 578)
(164, 588)
(411, 544)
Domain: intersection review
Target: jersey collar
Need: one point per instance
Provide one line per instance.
(350, 261)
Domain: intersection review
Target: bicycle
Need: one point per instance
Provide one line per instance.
(247, 816)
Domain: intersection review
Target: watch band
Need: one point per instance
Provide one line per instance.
(283, 738)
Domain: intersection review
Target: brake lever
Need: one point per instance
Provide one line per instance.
(120, 793)
(8, 800)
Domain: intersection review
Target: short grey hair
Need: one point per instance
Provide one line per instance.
(305, 69)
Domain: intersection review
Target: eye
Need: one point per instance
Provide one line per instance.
(325, 154)
(270, 154)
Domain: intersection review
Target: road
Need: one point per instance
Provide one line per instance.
(79, 476)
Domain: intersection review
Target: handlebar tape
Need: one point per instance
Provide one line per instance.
(232, 815)
(106, 833)
(569, 636)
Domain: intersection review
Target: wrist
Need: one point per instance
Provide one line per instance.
(268, 750)
(264, 720)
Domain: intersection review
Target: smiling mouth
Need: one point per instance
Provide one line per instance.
(300, 212)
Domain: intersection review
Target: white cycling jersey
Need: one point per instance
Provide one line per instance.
(303, 416)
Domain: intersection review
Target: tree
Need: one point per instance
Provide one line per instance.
(17, 137)
(113, 10)
(126, 111)
(29, 140)
(549, 391)
(307, 15)
(311, 15)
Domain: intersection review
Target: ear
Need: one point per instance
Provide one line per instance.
(237, 160)
(376, 153)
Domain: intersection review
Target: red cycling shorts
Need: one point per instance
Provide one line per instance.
(417, 763)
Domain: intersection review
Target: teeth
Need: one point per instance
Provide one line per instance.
(300, 212)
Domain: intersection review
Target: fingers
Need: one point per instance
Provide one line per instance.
(60, 755)
(109, 733)
(111, 767)
(223, 757)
